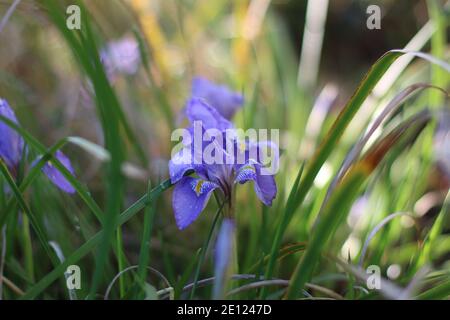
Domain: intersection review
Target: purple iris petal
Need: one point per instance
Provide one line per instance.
(183, 160)
(227, 102)
(198, 110)
(11, 143)
(265, 185)
(190, 197)
(179, 165)
(255, 157)
(55, 176)
(191, 157)
(245, 173)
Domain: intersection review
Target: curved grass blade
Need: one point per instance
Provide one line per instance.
(129, 169)
(374, 231)
(391, 108)
(8, 14)
(387, 288)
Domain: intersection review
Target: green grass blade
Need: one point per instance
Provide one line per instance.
(34, 222)
(436, 230)
(439, 77)
(144, 255)
(328, 145)
(441, 291)
(186, 274)
(204, 249)
(339, 205)
(89, 245)
(337, 208)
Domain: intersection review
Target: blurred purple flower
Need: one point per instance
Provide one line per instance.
(220, 97)
(121, 57)
(12, 147)
(55, 176)
(191, 194)
(223, 256)
(11, 143)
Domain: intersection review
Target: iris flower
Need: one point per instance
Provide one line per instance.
(12, 150)
(191, 194)
(220, 97)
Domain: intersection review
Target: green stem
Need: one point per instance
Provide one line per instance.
(120, 260)
(144, 254)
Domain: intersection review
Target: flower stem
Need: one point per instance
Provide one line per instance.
(229, 207)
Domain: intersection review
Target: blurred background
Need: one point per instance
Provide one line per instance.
(240, 43)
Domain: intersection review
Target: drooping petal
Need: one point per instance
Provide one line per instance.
(11, 143)
(223, 257)
(265, 185)
(220, 97)
(55, 176)
(197, 109)
(190, 197)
